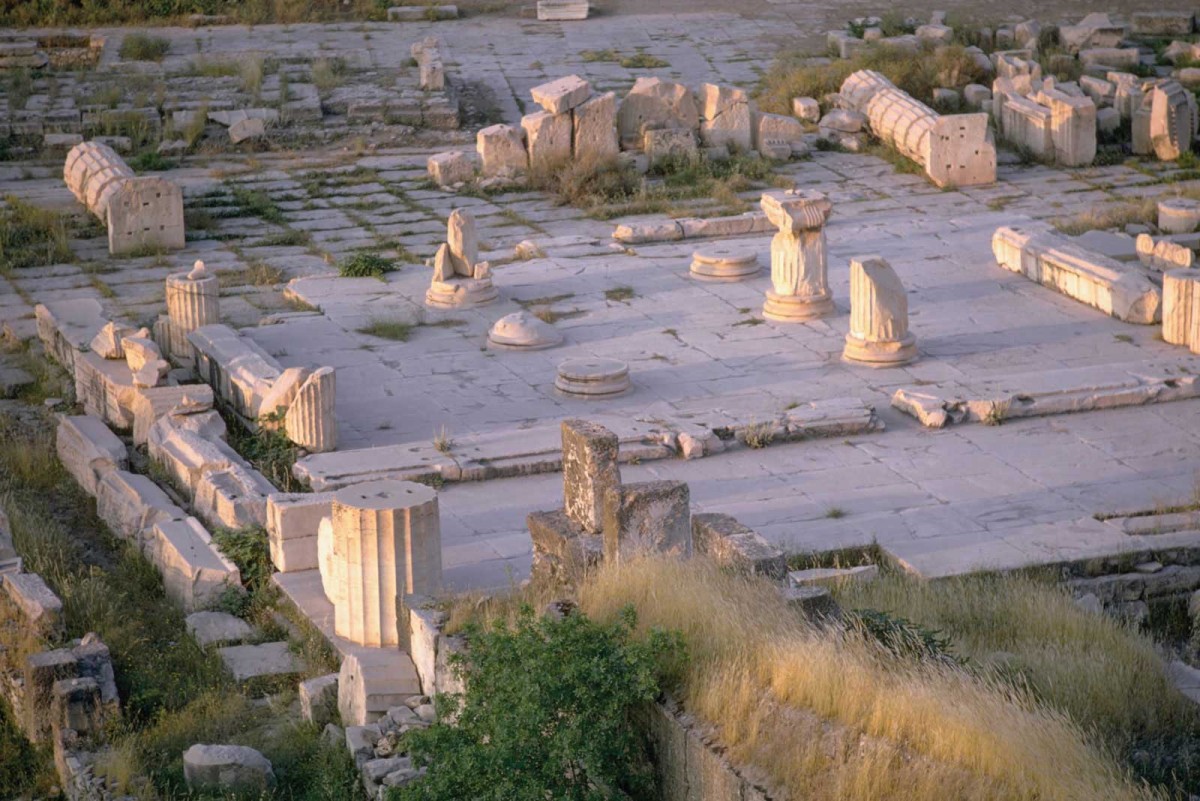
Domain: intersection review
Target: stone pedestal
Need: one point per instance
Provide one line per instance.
(724, 263)
(461, 293)
(1178, 215)
(878, 316)
(460, 280)
(193, 301)
(1181, 308)
(386, 542)
(800, 290)
(593, 378)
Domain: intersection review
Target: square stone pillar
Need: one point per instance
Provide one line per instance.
(648, 517)
(590, 469)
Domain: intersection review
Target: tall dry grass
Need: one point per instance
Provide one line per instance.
(1090, 667)
(827, 716)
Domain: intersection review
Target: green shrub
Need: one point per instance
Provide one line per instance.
(256, 203)
(267, 448)
(150, 161)
(546, 716)
(365, 265)
(143, 47)
(248, 549)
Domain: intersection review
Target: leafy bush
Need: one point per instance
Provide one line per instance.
(150, 161)
(546, 714)
(267, 448)
(248, 549)
(901, 638)
(365, 265)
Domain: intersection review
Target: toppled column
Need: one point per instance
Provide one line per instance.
(800, 289)
(386, 543)
(955, 149)
(1120, 290)
(460, 280)
(140, 212)
(1181, 308)
(193, 301)
(1163, 254)
(310, 421)
(879, 333)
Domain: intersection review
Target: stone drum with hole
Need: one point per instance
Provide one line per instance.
(724, 262)
(522, 331)
(593, 378)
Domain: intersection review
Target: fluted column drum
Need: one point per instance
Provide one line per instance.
(386, 542)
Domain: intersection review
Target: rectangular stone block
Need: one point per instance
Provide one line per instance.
(501, 150)
(235, 497)
(665, 144)
(561, 95)
(105, 388)
(590, 470)
(145, 213)
(194, 572)
(237, 369)
(151, 403)
(729, 543)
(421, 621)
(186, 455)
(562, 10)
(595, 129)
(131, 504)
(88, 449)
(1162, 23)
(548, 137)
(1120, 290)
(647, 517)
(318, 700)
(562, 549)
(38, 603)
(292, 523)
(66, 327)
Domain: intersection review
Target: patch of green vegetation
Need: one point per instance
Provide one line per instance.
(25, 771)
(395, 330)
(643, 61)
(290, 237)
(257, 203)
(548, 713)
(31, 236)
(590, 56)
(144, 47)
(328, 73)
(365, 265)
(620, 294)
(267, 448)
(150, 161)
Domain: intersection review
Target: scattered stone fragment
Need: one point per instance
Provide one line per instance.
(225, 768)
(217, 628)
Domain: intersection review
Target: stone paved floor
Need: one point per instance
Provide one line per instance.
(943, 502)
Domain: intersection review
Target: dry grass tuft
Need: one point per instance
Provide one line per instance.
(1113, 215)
(828, 716)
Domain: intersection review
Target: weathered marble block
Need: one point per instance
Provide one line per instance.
(799, 272)
(1181, 308)
(131, 504)
(501, 150)
(590, 470)
(1116, 289)
(293, 520)
(89, 450)
(647, 517)
(561, 95)
(194, 571)
(38, 604)
(729, 543)
(595, 129)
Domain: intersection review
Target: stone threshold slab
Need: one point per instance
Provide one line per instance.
(1065, 544)
(1049, 392)
(537, 449)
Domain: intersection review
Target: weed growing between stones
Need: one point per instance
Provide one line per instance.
(395, 330)
(267, 448)
(365, 265)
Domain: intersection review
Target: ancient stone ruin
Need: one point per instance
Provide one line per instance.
(954, 149)
(141, 213)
